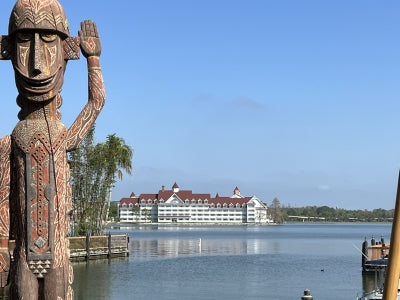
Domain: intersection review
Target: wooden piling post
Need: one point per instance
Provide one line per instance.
(307, 295)
(364, 256)
(127, 244)
(109, 245)
(87, 246)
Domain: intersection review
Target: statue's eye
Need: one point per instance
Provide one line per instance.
(48, 37)
(24, 36)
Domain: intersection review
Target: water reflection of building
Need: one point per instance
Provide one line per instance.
(182, 206)
(147, 249)
(164, 248)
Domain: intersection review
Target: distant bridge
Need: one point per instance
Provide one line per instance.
(304, 219)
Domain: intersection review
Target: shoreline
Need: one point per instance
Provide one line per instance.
(119, 224)
(187, 224)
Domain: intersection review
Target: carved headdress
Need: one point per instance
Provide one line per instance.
(38, 14)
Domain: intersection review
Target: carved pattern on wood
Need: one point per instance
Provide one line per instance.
(34, 173)
(5, 150)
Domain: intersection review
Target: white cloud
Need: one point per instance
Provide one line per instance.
(247, 102)
(323, 187)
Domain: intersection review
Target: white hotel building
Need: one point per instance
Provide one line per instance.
(182, 206)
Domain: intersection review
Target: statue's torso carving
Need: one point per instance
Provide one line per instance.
(44, 173)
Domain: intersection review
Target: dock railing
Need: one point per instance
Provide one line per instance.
(96, 247)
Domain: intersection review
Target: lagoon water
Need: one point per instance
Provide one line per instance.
(233, 262)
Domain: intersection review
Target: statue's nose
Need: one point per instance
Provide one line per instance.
(37, 56)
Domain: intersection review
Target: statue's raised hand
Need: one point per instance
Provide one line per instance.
(89, 38)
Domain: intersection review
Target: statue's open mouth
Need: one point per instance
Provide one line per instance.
(38, 85)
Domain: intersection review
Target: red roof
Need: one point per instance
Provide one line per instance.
(229, 200)
(148, 196)
(128, 201)
(185, 195)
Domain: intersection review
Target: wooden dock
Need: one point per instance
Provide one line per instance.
(98, 247)
(84, 248)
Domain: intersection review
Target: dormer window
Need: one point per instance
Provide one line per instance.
(199, 201)
(206, 201)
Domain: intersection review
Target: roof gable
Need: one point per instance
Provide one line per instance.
(174, 199)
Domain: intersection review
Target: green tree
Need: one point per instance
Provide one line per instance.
(325, 212)
(145, 213)
(114, 212)
(276, 212)
(136, 212)
(82, 172)
(94, 171)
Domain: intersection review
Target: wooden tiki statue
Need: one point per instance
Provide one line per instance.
(35, 195)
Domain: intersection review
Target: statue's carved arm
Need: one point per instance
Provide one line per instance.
(91, 49)
(5, 151)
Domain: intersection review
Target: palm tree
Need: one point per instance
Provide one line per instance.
(94, 171)
(118, 159)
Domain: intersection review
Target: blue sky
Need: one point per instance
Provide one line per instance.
(292, 99)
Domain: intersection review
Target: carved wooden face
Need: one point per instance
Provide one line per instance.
(39, 64)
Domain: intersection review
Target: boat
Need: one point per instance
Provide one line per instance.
(375, 257)
(374, 265)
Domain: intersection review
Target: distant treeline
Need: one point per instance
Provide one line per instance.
(329, 214)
